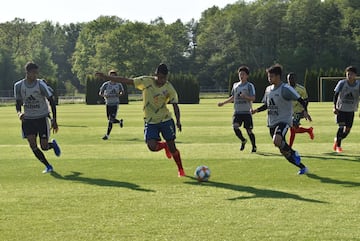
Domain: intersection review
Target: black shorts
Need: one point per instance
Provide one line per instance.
(345, 119)
(111, 111)
(40, 126)
(279, 129)
(245, 119)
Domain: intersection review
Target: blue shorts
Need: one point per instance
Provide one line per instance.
(166, 128)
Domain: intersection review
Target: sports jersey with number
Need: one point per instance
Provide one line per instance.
(33, 95)
(279, 103)
(348, 99)
(111, 92)
(242, 105)
(297, 107)
(155, 99)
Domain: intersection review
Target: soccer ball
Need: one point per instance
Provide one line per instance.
(202, 173)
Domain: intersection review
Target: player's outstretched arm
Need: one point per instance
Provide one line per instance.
(119, 79)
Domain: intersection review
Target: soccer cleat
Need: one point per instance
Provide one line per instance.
(303, 171)
(181, 173)
(243, 145)
(56, 147)
(311, 133)
(105, 137)
(121, 123)
(339, 149)
(296, 157)
(167, 151)
(48, 169)
(335, 144)
(254, 149)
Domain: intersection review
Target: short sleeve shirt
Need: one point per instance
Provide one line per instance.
(155, 99)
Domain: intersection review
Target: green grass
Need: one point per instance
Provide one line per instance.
(119, 190)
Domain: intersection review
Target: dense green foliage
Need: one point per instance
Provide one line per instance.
(119, 190)
(303, 35)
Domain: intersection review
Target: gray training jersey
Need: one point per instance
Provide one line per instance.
(279, 103)
(33, 97)
(348, 99)
(111, 92)
(242, 105)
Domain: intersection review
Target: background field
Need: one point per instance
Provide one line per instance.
(118, 190)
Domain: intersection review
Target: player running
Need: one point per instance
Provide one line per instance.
(346, 102)
(298, 110)
(277, 100)
(157, 93)
(242, 94)
(35, 95)
(111, 91)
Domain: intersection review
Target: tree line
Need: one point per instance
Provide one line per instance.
(302, 35)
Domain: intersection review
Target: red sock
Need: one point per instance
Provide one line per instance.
(292, 136)
(302, 130)
(177, 158)
(160, 145)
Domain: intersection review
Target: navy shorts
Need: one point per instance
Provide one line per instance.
(40, 126)
(166, 128)
(345, 119)
(296, 118)
(245, 119)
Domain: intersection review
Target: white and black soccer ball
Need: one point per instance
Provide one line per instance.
(202, 173)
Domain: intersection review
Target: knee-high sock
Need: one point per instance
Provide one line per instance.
(239, 134)
(287, 152)
(340, 135)
(177, 158)
(40, 155)
(292, 136)
(110, 124)
(252, 139)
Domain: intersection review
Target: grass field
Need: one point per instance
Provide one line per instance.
(118, 190)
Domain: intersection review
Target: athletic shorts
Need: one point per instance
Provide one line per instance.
(345, 119)
(36, 127)
(279, 129)
(296, 118)
(166, 128)
(111, 111)
(245, 119)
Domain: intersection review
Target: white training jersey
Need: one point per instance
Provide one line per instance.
(111, 92)
(34, 97)
(279, 103)
(242, 105)
(348, 99)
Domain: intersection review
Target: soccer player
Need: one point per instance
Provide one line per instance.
(35, 96)
(277, 101)
(157, 93)
(298, 110)
(242, 95)
(346, 101)
(111, 91)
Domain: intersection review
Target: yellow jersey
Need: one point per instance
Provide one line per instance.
(297, 107)
(155, 99)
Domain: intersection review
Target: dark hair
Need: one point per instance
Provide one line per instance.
(291, 76)
(245, 69)
(162, 69)
(30, 66)
(275, 69)
(112, 72)
(351, 69)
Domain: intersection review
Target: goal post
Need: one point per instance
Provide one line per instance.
(327, 86)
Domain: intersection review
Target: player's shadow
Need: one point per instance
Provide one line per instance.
(255, 192)
(333, 181)
(76, 177)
